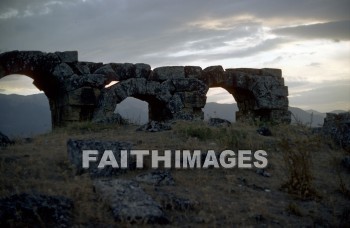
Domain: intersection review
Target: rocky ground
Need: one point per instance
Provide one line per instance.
(306, 182)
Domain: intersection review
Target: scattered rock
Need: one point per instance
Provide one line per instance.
(265, 131)
(35, 210)
(129, 203)
(337, 126)
(75, 149)
(170, 201)
(116, 118)
(263, 173)
(243, 182)
(155, 126)
(5, 141)
(157, 178)
(217, 122)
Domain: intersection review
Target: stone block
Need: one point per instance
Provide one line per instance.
(142, 70)
(193, 72)
(168, 72)
(68, 56)
(83, 96)
(129, 203)
(272, 72)
(75, 150)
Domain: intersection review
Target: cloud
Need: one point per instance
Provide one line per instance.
(18, 8)
(336, 30)
(122, 30)
(314, 64)
(251, 33)
(325, 96)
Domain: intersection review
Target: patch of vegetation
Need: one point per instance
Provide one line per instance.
(85, 127)
(293, 208)
(228, 137)
(298, 161)
(201, 132)
(231, 138)
(41, 165)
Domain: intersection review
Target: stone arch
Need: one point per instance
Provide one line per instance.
(34, 64)
(72, 87)
(27, 117)
(260, 93)
(40, 67)
(41, 83)
(139, 88)
(245, 101)
(76, 89)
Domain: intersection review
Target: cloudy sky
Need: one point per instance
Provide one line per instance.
(308, 39)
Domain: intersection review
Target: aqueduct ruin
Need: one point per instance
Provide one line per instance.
(77, 90)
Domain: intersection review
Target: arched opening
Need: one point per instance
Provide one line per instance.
(25, 110)
(134, 110)
(220, 104)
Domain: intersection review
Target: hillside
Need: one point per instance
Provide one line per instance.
(312, 193)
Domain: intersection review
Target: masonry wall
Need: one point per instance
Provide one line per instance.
(76, 90)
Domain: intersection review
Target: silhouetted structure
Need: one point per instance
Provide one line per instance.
(77, 90)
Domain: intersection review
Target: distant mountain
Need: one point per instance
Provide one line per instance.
(29, 115)
(135, 110)
(24, 115)
(315, 112)
(314, 117)
(223, 111)
(228, 112)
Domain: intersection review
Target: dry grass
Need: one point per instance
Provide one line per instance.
(298, 160)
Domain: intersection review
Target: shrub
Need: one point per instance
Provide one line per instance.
(297, 158)
(202, 133)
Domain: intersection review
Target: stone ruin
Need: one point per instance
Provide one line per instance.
(77, 90)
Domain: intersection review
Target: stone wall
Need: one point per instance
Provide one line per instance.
(76, 90)
(337, 126)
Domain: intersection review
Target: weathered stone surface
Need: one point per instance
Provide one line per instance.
(170, 201)
(75, 149)
(83, 96)
(116, 118)
(142, 70)
(62, 71)
(35, 210)
(337, 126)
(108, 71)
(68, 56)
(214, 75)
(264, 131)
(155, 126)
(193, 72)
(263, 173)
(124, 70)
(217, 122)
(172, 92)
(129, 203)
(156, 177)
(169, 72)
